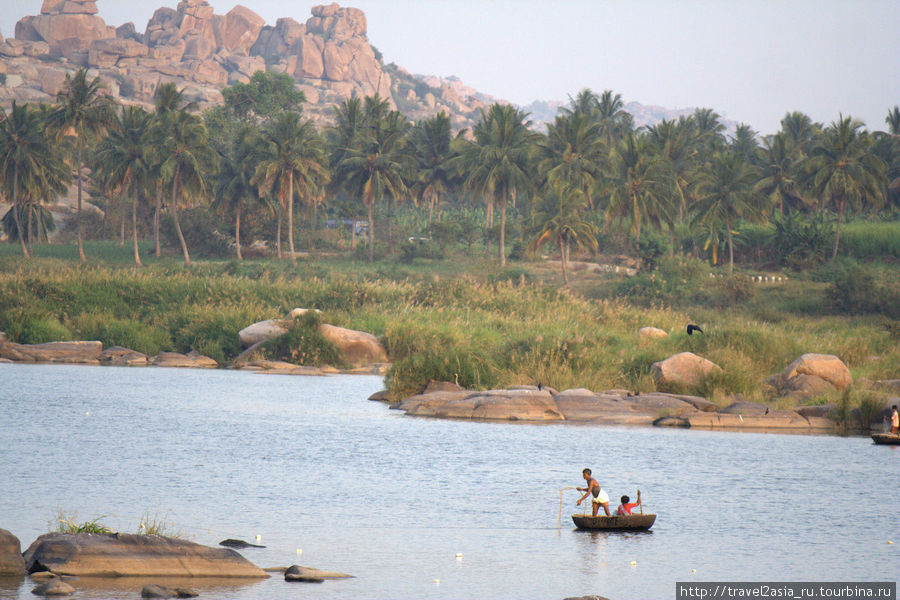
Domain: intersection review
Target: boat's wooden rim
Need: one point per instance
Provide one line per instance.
(614, 522)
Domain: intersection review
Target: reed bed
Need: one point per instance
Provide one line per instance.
(480, 333)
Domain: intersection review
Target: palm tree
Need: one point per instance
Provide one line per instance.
(121, 157)
(234, 180)
(709, 129)
(585, 102)
(291, 152)
(676, 144)
(29, 165)
(800, 132)
(725, 195)
(893, 121)
(167, 99)
(843, 171)
(431, 147)
(615, 122)
(639, 185)
(499, 161)
(376, 164)
(83, 112)
(572, 153)
(561, 220)
(181, 148)
(780, 173)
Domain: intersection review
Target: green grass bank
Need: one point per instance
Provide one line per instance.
(456, 320)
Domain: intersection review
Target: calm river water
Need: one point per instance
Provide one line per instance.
(330, 480)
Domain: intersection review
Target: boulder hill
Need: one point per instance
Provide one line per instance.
(329, 57)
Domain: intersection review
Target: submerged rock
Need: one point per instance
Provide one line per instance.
(122, 555)
(160, 591)
(85, 352)
(53, 587)
(192, 359)
(11, 561)
(311, 575)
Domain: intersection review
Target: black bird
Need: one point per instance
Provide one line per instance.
(691, 328)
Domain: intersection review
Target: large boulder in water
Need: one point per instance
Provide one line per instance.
(82, 352)
(506, 405)
(684, 369)
(124, 555)
(263, 331)
(192, 359)
(11, 561)
(357, 348)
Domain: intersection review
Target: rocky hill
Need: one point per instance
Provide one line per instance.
(329, 57)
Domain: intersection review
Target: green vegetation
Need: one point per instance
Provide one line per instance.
(453, 292)
(68, 523)
(495, 329)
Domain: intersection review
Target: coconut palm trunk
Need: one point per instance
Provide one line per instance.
(841, 204)
(503, 231)
(15, 208)
(371, 207)
(134, 228)
(156, 212)
(78, 214)
(280, 218)
(237, 231)
(184, 248)
(291, 215)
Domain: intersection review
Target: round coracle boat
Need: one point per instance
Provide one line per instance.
(614, 522)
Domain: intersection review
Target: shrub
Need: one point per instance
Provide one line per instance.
(145, 338)
(802, 242)
(304, 344)
(28, 327)
(202, 229)
(68, 523)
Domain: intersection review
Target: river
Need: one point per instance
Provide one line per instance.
(422, 508)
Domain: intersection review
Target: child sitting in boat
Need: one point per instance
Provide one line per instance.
(600, 498)
(627, 505)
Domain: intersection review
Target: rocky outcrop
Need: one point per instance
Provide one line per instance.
(123, 555)
(329, 57)
(53, 352)
(786, 420)
(311, 575)
(69, 27)
(651, 333)
(160, 591)
(11, 561)
(53, 588)
(192, 359)
(812, 375)
(263, 331)
(357, 348)
(684, 369)
(122, 357)
(507, 405)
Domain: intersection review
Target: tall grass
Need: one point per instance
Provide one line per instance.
(468, 329)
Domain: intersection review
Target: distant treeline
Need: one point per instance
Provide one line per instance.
(255, 170)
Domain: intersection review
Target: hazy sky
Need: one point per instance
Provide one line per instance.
(751, 60)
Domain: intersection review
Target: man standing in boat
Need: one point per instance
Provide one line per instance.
(600, 498)
(895, 420)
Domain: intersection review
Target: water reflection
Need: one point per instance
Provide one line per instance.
(9, 585)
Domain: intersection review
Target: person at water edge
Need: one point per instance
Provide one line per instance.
(627, 504)
(600, 498)
(895, 420)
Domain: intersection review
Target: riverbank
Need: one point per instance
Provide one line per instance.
(483, 330)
